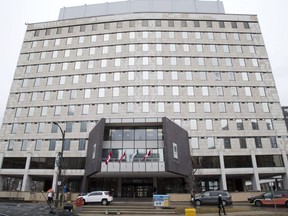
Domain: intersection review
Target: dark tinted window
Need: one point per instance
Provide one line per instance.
(269, 161)
(14, 163)
(238, 161)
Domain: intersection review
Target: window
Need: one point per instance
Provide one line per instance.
(231, 76)
(265, 107)
(203, 75)
(171, 35)
(248, 91)
(160, 90)
(221, 24)
(176, 107)
(46, 96)
(210, 35)
(211, 142)
(194, 143)
(71, 110)
(69, 126)
(190, 90)
(18, 112)
(193, 124)
(222, 107)
(145, 107)
(226, 49)
(67, 144)
(201, 61)
(269, 124)
(57, 42)
(254, 124)
(64, 66)
(255, 63)
(62, 80)
(197, 35)
(189, 75)
(234, 91)
(239, 124)
(102, 77)
(245, 76)
(227, 142)
(209, 24)
(258, 76)
(196, 23)
(251, 107)
(192, 107)
(262, 92)
(160, 75)
(236, 107)
(82, 144)
(199, 48)
(57, 110)
(132, 35)
(38, 145)
(34, 96)
(161, 107)
(242, 62)
(159, 61)
(73, 94)
(207, 107)
(115, 108)
(115, 91)
(130, 107)
(212, 48)
(11, 145)
(101, 92)
(41, 127)
(31, 111)
(24, 145)
(205, 91)
(236, 36)
(60, 95)
(273, 142)
(173, 60)
(85, 109)
(83, 126)
(234, 24)
(209, 124)
(242, 142)
(258, 143)
(224, 124)
(157, 23)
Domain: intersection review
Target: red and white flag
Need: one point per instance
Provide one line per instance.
(122, 157)
(147, 154)
(109, 156)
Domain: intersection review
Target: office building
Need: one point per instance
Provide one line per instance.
(143, 89)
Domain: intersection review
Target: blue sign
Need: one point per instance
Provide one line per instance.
(161, 200)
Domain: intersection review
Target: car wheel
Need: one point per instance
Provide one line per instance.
(258, 203)
(104, 202)
(224, 203)
(197, 202)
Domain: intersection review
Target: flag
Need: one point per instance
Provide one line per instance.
(147, 154)
(123, 156)
(134, 155)
(109, 156)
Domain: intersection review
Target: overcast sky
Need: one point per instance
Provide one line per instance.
(272, 15)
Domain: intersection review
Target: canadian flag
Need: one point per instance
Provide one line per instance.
(109, 156)
(122, 157)
(147, 154)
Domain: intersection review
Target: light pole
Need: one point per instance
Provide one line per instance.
(59, 164)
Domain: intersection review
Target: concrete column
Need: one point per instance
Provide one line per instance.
(1, 177)
(26, 181)
(255, 178)
(222, 179)
(55, 178)
(119, 187)
(285, 175)
(1, 183)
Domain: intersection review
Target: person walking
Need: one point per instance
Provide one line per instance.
(50, 195)
(220, 205)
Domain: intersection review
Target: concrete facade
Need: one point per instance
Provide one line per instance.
(207, 72)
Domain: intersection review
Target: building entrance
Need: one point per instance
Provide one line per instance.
(137, 187)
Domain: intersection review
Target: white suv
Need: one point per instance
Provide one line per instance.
(103, 197)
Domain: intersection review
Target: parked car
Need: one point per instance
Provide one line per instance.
(211, 198)
(269, 198)
(103, 197)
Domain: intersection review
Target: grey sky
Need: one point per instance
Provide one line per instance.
(272, 16)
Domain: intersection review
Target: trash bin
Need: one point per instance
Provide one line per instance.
(190, 212)
(68, 207)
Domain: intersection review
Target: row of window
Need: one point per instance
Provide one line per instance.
(102, 38)
(194, 124)
(229, 143)
(235, 161)
(159, 61)
(139, 75)
(43, 163)
(144, 48)
(40, 145)
(132, 91)
(195, 143)
(144, 23)
(133, 107)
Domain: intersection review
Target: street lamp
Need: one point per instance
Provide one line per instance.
(59, 164)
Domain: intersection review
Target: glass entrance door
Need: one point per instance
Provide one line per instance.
(137, 187)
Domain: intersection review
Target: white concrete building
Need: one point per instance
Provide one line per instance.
(133, 63)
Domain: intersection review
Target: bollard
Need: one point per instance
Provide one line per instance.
(190, 212)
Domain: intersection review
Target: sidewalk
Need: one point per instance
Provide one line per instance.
(250, 213)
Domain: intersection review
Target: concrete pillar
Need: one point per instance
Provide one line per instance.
(1, 177)
(222, 179)
(26, 181)
(1, 183)
(285, 175)
(119, 187)
(55, 179)
(255, 178)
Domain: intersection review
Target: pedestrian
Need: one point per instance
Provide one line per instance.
(50, 195)
(220, 205)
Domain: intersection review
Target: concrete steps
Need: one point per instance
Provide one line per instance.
(135, 208)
